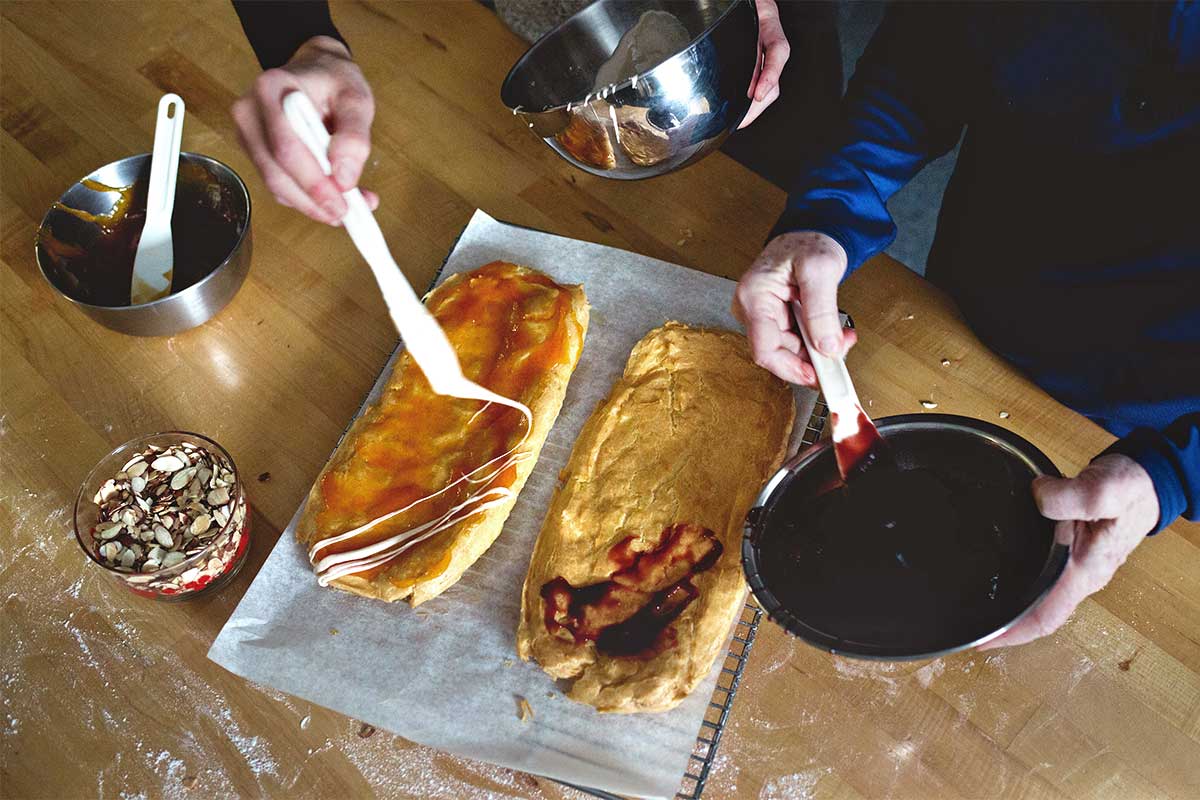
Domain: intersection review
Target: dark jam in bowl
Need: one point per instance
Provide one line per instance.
(89, 256)
(929, 553)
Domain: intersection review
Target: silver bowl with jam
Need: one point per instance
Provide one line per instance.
(87, 241)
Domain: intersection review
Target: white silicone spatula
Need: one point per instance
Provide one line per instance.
(154, 263)
(422, 335)
(854, 435)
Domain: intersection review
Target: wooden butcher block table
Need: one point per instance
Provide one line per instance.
(103, 694)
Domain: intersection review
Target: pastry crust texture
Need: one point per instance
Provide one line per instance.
(434, 565)
(687, 437)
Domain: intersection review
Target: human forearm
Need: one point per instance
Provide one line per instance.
(905, 107)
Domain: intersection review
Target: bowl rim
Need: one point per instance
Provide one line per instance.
(611, 88)
(83, 497)
(1053, 567)
(162, 300)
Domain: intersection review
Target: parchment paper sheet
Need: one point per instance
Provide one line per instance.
(446, 674)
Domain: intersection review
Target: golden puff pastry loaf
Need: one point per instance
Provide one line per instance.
(516, 332)
(636, 576)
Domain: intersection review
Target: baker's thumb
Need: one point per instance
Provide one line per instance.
(817, 288)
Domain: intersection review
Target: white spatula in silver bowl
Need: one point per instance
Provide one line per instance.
(154, 264)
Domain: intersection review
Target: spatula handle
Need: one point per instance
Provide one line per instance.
(164, 165)
(834, 378)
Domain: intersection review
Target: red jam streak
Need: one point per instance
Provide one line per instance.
(858, 452)
(630, 614)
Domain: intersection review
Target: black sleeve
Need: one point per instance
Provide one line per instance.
(277, 28)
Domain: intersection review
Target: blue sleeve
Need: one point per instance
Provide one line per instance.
(1172, 457)
(904, 108)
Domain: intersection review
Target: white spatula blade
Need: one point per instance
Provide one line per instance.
(422, 335)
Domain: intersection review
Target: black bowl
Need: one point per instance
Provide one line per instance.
(957, 571)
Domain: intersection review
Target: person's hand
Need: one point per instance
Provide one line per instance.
(764, 88)
(804, 266)
(1104, 513)
(324, 70)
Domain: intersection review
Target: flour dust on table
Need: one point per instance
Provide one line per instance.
(151, 661)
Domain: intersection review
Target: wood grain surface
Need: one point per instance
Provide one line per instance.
(103, 694)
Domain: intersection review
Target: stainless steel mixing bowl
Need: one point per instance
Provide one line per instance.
(651, 123)
(177, 312)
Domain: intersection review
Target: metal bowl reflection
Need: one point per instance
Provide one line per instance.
(650, 123)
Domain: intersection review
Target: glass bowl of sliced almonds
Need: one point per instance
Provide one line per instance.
(165, 515)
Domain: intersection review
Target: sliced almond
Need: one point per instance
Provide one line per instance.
(172, 558)
(163, 536)
(136, 468)
(200, 524)
(108, 530)
(167, 463)
(181, 478)
(218, 496)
